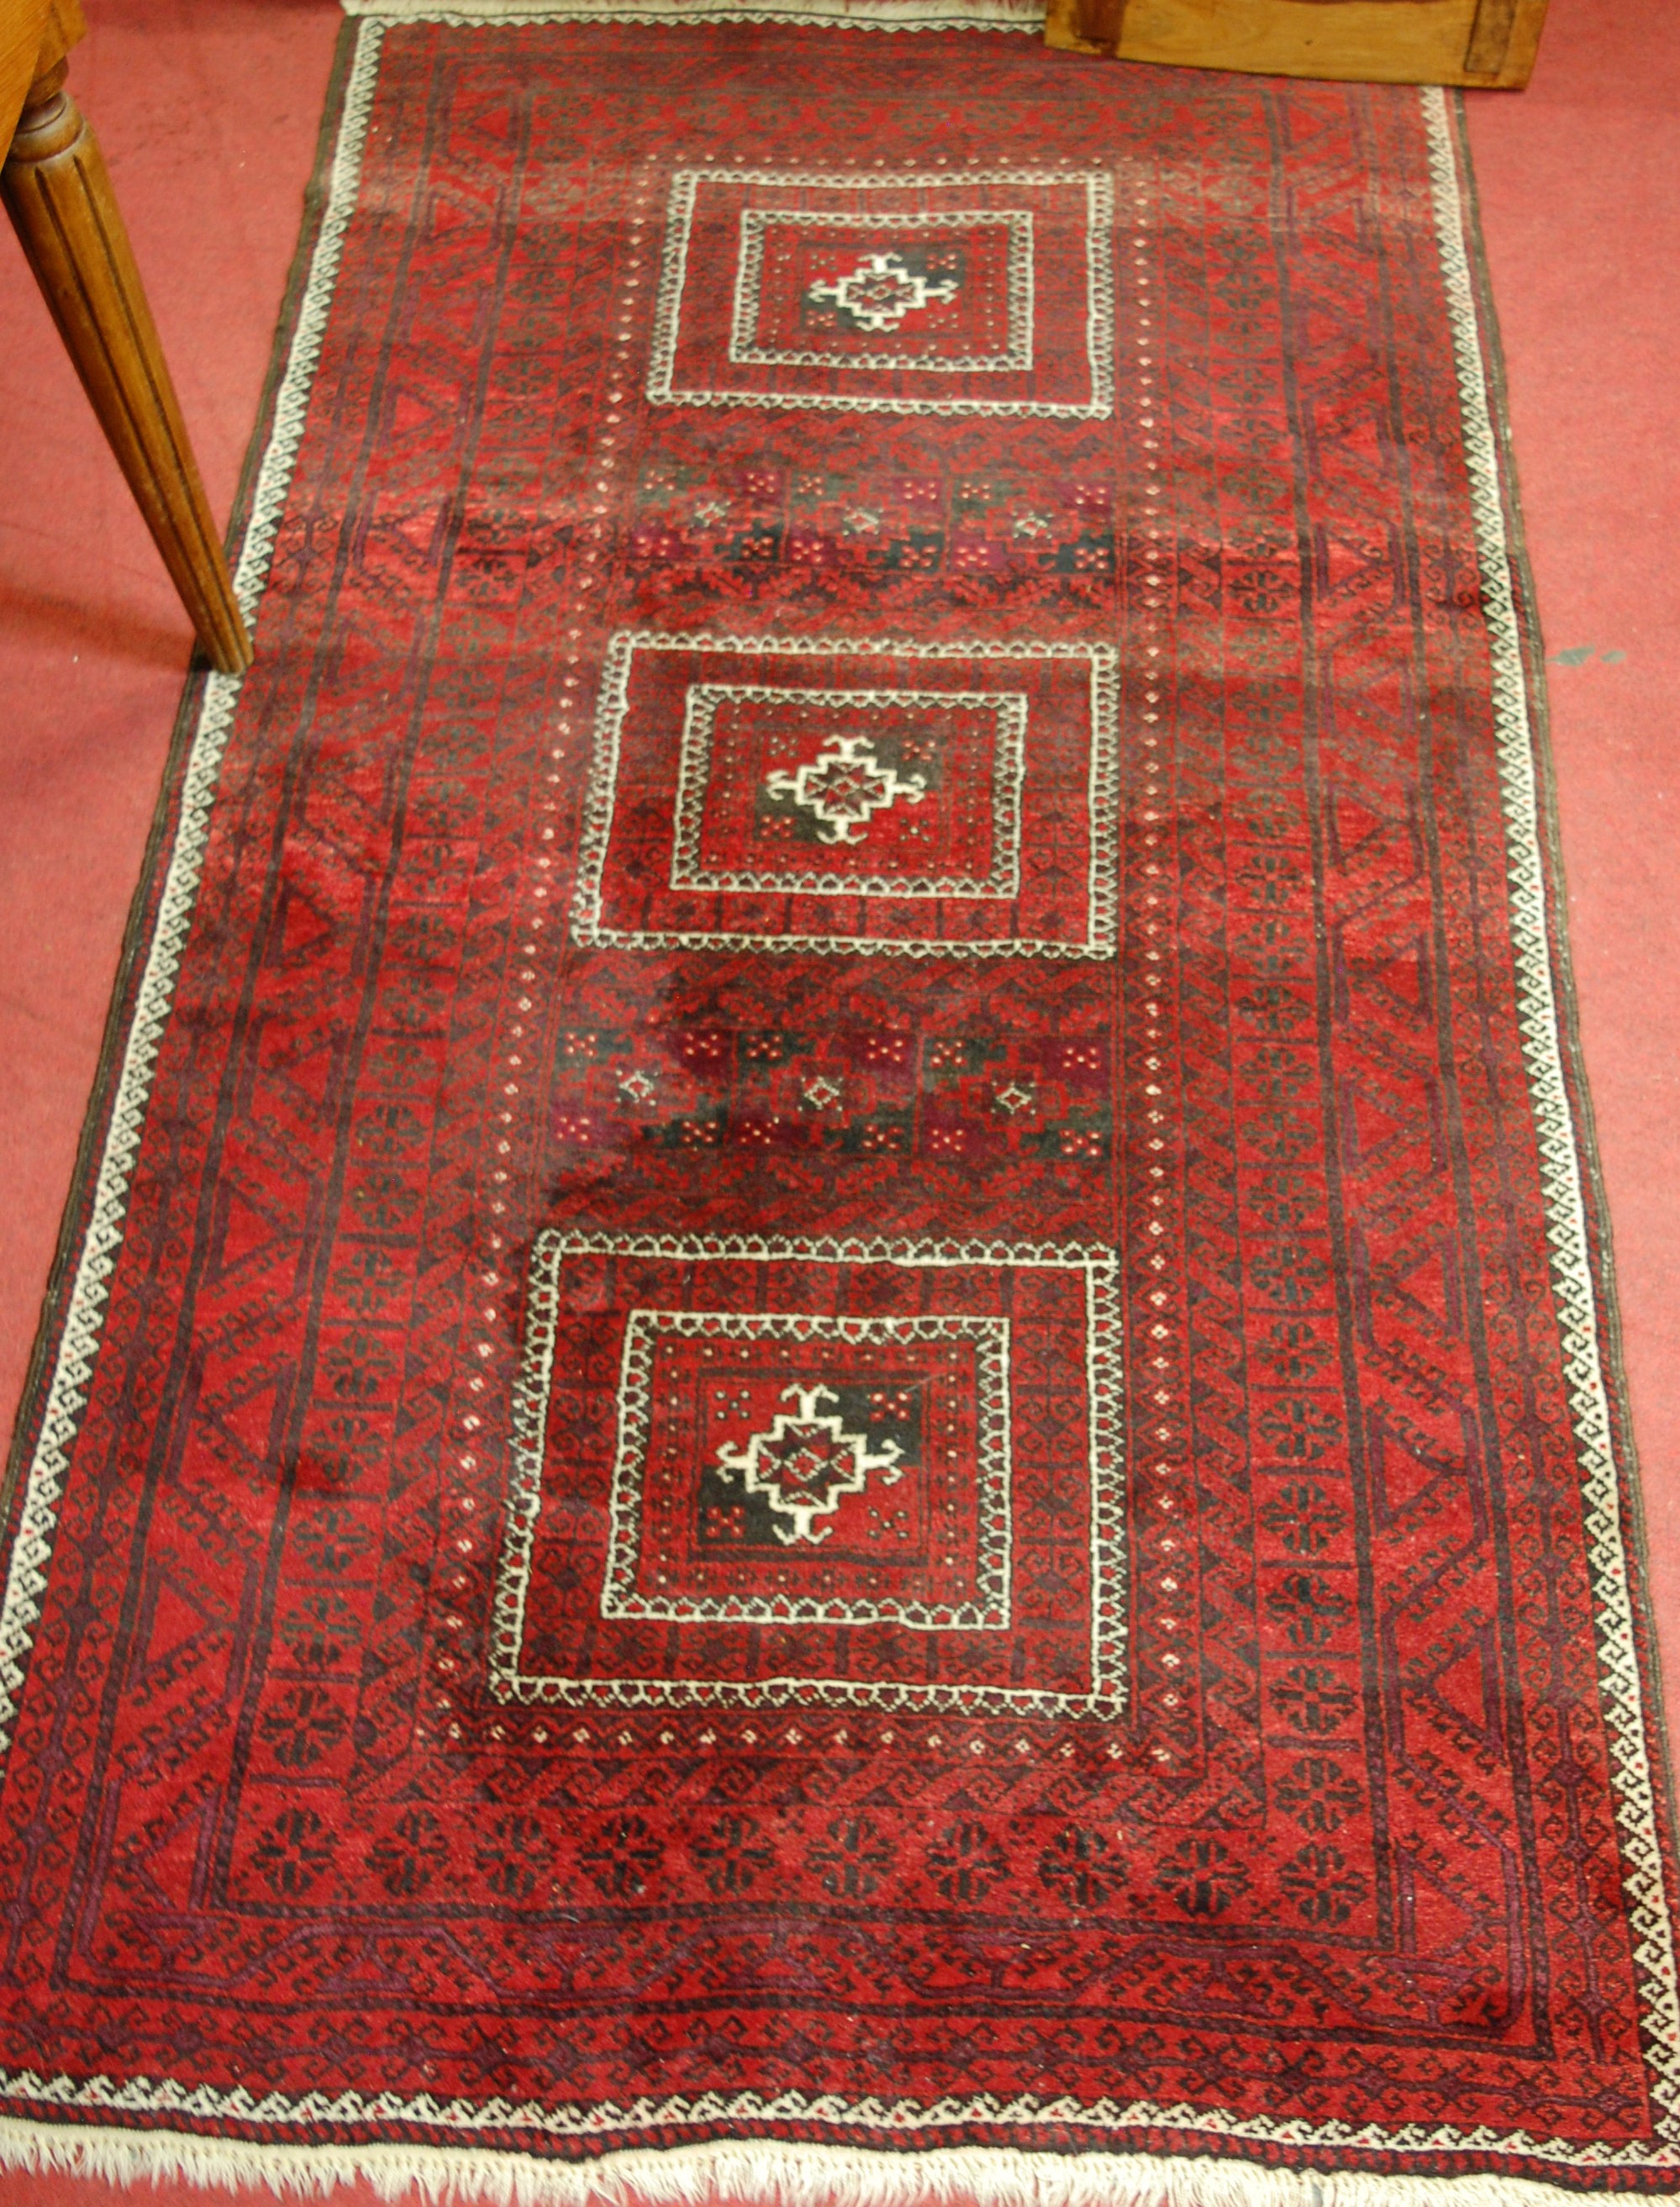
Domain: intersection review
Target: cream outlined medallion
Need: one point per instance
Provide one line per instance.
(745, 348)
(1099, 798)
(853, 711)
(773, 1464)
(844, 787)
(1106, 1629)
(988, 1609)
(897, 389)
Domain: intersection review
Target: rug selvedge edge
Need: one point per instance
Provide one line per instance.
(63, 1396)
(820, 14)
(1550, 837)
(1577, 1288)
(160, 838)
(846, 2175)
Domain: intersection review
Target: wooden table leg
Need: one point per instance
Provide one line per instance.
(58, 195)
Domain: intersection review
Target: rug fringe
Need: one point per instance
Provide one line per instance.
(755, 2173)
(828, 15)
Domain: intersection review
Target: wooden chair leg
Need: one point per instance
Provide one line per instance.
(58, 195)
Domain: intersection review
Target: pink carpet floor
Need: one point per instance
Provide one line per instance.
(209, 110)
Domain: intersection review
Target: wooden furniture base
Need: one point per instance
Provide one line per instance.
(1471, 42)
(58, 195)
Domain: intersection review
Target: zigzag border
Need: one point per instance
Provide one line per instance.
(1539, 1027)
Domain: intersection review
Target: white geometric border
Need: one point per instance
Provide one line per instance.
(746, 352)
(1027, 15)
(694, 774)
(989, 1608)
(1099, 293)
(747, 2168)
(1573, 1288)
(509, 1682)
(154, 996)
(1103, 798)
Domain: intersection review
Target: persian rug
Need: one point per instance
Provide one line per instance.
(831, 1410)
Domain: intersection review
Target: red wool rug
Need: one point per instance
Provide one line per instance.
(832, 1411)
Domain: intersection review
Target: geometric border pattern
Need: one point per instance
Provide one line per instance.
(693, 768)
(510, 1683)
(683, 2171)
(1539, 1030)
(1102, 793)
(988, 1613)
(88, 1290)
(1099, 295)
(749, 280)
(1019, 15)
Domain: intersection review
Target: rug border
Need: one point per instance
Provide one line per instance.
(1027, 15)
(1572, 1050)
(1573, 1194)
(1207, 2164)
(165, 905)
(139, 925)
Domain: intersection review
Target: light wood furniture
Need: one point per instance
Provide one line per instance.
(59, 197)
(1476, 42)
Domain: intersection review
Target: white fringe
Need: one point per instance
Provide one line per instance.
(760, 2173)
(824, 14)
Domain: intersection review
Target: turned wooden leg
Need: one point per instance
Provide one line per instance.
(59, 197)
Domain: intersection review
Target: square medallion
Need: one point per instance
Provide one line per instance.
(988, 291)
(949, 293)
(800, 1471)
(789, 1467)
(827, 793)
(953, 799)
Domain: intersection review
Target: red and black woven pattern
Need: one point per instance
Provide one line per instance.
(831, 1372)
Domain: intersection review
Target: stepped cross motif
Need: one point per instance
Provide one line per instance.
(845, 785)
(880, 291)
(807, 1462)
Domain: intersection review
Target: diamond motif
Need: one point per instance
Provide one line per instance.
(844, 786)
(880, 291)
(805, 1464)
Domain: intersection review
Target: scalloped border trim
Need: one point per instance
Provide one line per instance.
(776, 2173)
